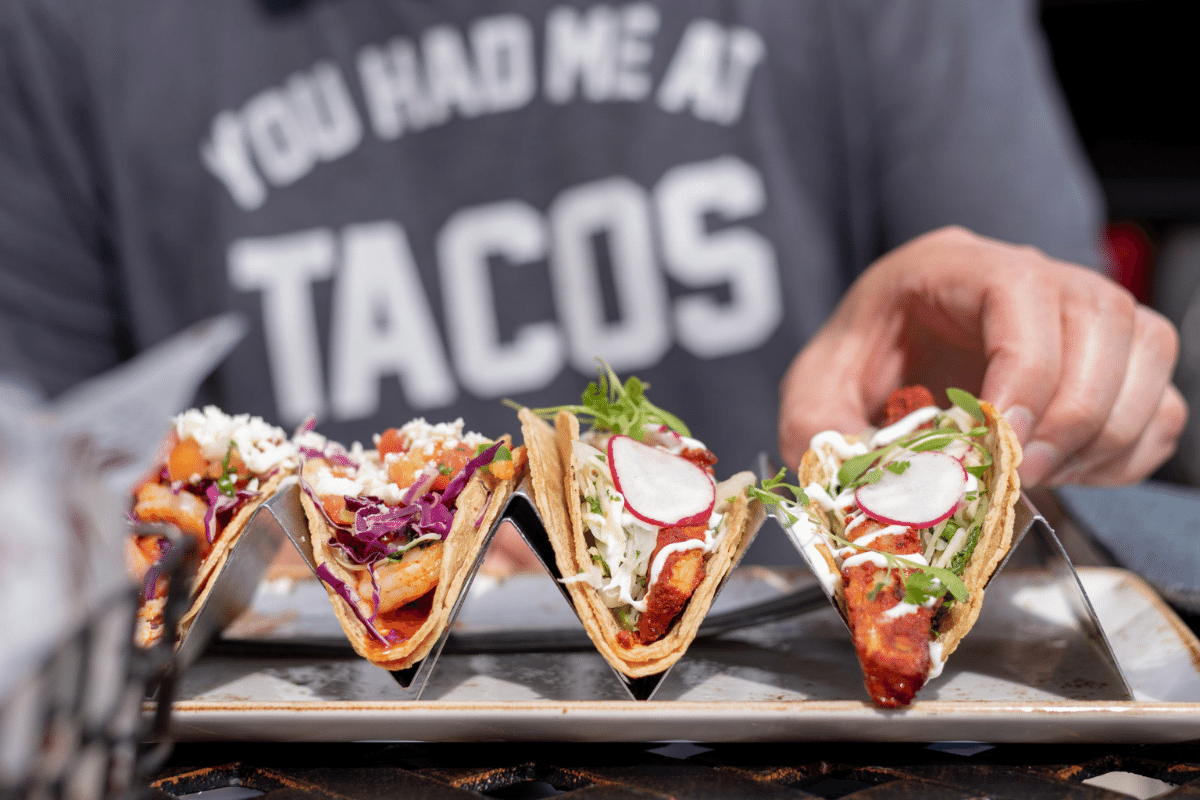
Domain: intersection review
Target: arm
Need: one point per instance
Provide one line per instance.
(970, 132)
(57, 284)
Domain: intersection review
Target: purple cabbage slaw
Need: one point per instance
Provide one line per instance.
(363, 541)
(374, 520)
(218, 502)
(351, 598)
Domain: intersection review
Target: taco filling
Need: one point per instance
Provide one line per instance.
(644, 573)
(217, 470)
(906, 527)
(392, 528)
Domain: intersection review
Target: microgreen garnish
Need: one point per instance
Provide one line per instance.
(620, 409)
(227, 483)
(949, 581)
(897, 467)
(768, 496)
(853, 468)
(967, 402)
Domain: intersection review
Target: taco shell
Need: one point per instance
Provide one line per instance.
(995, 539)
(556, 494)
(476, 509)
(214, 562)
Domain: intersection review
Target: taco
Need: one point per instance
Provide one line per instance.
(642, 532)
(396, 530)
(906, 526)
(216, 471)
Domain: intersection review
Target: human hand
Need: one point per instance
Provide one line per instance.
(1080, 370)
(508, 553)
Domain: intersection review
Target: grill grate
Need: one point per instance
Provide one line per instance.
(645, 772)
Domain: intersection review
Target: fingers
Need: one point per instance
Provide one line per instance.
(1089, 393)
(1080, 370)
(1023, 345)
(1148, 414)
(508, 552)
(814, 398)
(825, 388)
(1095, 328)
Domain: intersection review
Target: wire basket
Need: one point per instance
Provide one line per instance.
(75, 726)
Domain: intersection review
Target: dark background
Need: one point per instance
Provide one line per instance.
(1128, 69)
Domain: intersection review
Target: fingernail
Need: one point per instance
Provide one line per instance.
(1020, 419)
(1037, 460)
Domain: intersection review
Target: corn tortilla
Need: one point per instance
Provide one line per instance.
(556, 494)
(476, 509)
(995, 539)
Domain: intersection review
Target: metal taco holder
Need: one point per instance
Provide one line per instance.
(522, 512)
(235, 582)
(1051, 555)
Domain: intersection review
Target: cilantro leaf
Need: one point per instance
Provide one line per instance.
(227, 483)
(852, 468)
(967, 402)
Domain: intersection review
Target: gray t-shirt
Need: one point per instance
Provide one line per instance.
(422, 208)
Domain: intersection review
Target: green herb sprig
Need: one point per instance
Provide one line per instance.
(767, 494)
(615, 407)
(923, 587)
(227, 483)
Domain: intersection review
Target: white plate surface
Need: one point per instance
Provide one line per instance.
(1023, 674)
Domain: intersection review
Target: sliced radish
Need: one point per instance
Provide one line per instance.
(926, 493)
(660, 488)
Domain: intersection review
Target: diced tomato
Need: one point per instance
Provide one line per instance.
(502, 470)
(335, 507)
(186, 460)
(404, 470)
(450, 463)
(390, 441)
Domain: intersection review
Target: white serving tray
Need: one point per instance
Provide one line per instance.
(1023, 674)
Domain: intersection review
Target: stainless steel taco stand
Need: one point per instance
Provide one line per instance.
(522, 512)
(235, 582)
(1034, 544)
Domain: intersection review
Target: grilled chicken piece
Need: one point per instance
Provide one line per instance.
(894, 650)
(682, 572)
(905, 400)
